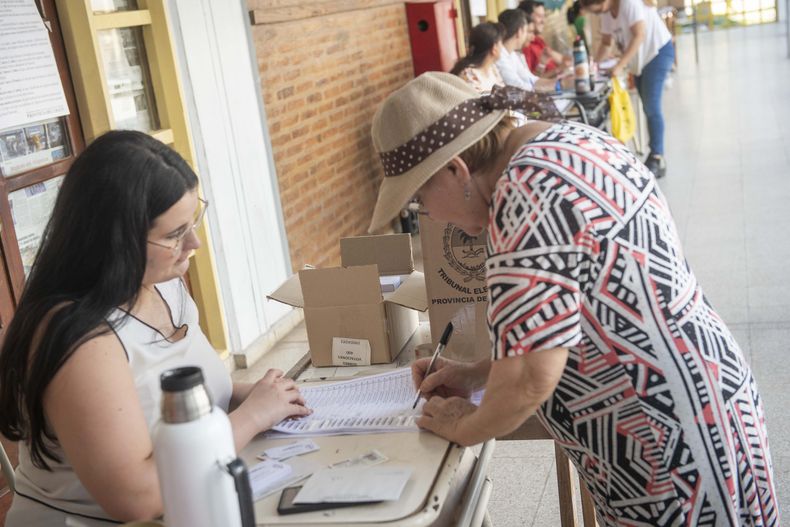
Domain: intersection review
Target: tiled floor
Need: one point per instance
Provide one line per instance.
(728, 147)
(728, 142)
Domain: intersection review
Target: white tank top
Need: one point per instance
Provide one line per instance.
(58, 498)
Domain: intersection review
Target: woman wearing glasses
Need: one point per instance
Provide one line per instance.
(103, 314)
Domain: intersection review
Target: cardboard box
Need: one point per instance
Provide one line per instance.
(349, 321)
(455, 278)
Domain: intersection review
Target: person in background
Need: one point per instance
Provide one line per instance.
(478, 67)
(103, 314)
(511, 63)
(597, 321)
(541, 59)
(646, 49)
(575, 19)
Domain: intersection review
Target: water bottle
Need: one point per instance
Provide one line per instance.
(581, 67)
(203, 482)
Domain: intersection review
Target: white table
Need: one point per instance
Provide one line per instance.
(448, 485)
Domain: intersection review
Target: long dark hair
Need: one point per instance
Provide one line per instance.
(91, 260)
(482, 40)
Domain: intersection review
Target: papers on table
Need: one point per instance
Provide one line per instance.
(374, 404)
(270, 476)
(297, 448)
(342, 373)
(374, 457)
(267, 475)
(344, 485)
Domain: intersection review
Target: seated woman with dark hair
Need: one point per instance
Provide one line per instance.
(478, 67)
(103, 314)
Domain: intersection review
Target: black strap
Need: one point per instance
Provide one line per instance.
(50, 506)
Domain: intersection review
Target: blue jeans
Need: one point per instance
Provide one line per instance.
(650, 85)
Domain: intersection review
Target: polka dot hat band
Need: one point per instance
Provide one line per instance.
(441, 132)
(424, 124)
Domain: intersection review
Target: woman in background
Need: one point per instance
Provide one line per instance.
(646, 49)
(104, 312)
(478, 67)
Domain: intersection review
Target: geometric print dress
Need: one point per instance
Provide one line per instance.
(656, 407)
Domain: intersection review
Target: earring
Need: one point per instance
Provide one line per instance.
(467, 194)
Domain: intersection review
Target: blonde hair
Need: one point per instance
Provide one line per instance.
(482, 154)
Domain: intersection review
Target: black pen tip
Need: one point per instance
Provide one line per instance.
(446, 335)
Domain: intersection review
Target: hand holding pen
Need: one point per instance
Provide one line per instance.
(448, 331)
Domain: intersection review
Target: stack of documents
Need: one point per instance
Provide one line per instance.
(373, 404)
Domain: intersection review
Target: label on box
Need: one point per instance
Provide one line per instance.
(350, 352)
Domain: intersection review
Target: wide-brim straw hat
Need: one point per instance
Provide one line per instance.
(418, 129)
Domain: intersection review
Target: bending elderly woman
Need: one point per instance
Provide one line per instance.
(597, 322)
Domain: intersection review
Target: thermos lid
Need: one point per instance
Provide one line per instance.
(180, 379)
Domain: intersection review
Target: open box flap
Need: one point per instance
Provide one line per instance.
(391, 252)
(339, 286)
(290, 292)
(411, 293)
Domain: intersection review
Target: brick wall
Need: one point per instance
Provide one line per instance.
(324, 70)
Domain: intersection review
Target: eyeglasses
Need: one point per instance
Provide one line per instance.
(175, 241)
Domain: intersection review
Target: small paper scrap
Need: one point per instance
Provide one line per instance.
(374, 457)
(297, 448)
(268, 475)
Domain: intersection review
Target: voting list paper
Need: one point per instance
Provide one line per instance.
(373, 404)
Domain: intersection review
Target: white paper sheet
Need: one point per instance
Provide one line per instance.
(373, 404)
(343, 485)
(30, 89)
(342, 373)
(267, 477)
(297, 448)
(374, 457)
(268, 474)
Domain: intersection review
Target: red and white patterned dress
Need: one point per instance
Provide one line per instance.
(657, 407)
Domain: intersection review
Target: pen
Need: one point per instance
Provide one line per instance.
(439, 349)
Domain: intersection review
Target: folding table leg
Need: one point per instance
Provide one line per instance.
(565, 486)
(588, 508)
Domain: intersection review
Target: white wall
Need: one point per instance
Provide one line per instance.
(222, 90)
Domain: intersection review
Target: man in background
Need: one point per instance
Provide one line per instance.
(511, 63)
(541, 59)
